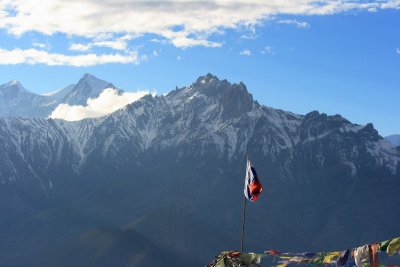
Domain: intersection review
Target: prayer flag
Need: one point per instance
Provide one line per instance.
(252, 186)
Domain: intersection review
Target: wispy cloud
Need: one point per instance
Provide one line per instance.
(398, 50)
(250, 33)
(267, 51)
(107, 102)
(107, 41)
(34, 56)
(41, 45)
(395, 4)
(198, 20)
(245, 52)
(249, 36)
(116, 45)
(184, 42)
(298, 24)
(80, 47)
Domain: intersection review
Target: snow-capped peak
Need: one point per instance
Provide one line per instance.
(93, 82)
(15, 84)
(88, 86)
(207, 79)
(13, 89)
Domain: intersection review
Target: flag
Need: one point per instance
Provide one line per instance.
(252, 186)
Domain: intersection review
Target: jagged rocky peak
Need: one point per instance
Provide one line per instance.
(211, 85)
(318, 124)
(234, 98)
(311, 115)
(88, 86)
(13, 89)
(90, 81)
(316, 117)
(12, 85)
(369, 132)
(207, 79)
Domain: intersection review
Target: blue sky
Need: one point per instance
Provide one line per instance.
(338, 57)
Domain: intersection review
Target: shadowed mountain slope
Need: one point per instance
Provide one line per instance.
(328, 183)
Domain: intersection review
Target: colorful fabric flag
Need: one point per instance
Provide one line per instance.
(373, 254)
(361, 256)
(234, 258)
(252, 186)
(318, 259)
(299, 259)
(308, 254)
(394, 246)
(383, 245)
(272, 252)
(330, 256)
(344, 256)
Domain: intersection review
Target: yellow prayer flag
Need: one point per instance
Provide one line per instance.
(329, 257)
(394, 246)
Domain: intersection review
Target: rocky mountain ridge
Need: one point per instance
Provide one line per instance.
(182, 155)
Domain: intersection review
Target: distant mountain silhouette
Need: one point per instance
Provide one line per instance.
(16, 101)
(394, 139)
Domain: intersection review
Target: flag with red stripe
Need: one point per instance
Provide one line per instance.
(252, 186)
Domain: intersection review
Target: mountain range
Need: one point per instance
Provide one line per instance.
(394, 139)
(160, 181)
(16, 101)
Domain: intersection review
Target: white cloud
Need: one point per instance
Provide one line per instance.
(116, 45)
(144, 58)
(40, 45)
(184, 42)
(250, 33)
(197, 20)
(398, 50)
(267, 51)
(391, 4)
(107, 102)
(249, 36)
(80, 47)
(299, 24)
(106, 40)
(33, 56)
(245, 52)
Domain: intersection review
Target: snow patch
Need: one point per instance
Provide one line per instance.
(384, 154)
(194, 95)
(351, 128)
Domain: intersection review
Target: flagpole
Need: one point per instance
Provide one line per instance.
(244, 212)
(244, 221)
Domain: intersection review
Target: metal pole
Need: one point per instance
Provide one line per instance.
(244, 221)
